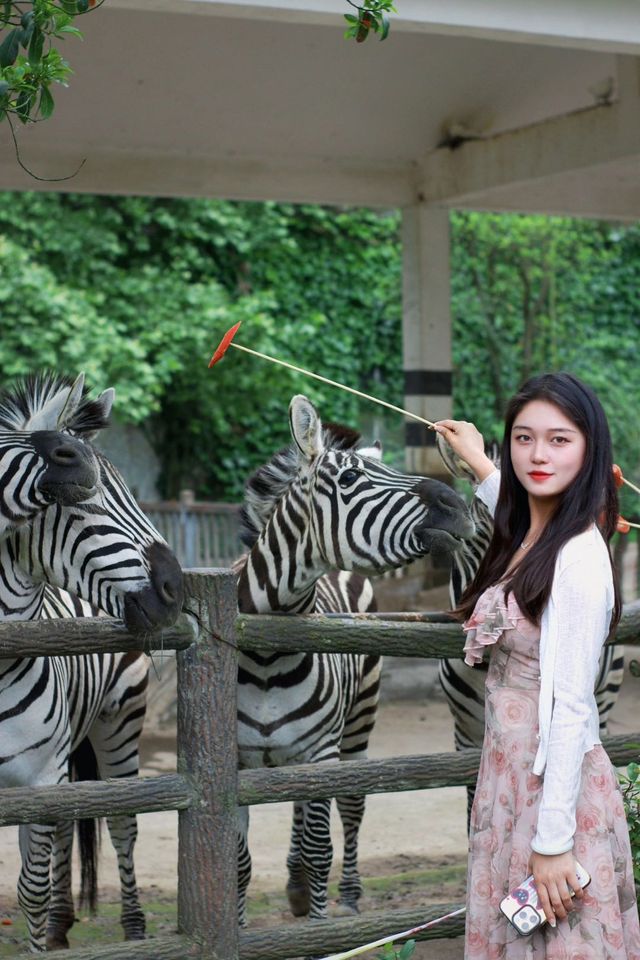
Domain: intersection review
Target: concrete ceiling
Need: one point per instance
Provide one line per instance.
(260, 101)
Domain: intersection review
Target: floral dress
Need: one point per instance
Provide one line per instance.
(604, 925)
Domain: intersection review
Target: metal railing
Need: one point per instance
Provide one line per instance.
(200, 534)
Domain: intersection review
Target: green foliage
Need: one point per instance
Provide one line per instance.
(630, 784)
(160, 282)
(389, 951)
(138, 292)
(29, 63)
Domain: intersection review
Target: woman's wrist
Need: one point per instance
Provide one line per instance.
(482, 466)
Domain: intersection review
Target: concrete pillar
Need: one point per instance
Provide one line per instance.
(426, 329)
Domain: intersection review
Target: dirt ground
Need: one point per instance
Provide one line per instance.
(412, 846)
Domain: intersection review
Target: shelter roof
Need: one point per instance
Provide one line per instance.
(264, 99)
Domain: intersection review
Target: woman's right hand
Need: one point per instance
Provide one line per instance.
(466, 441)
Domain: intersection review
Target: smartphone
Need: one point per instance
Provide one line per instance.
(522, 908)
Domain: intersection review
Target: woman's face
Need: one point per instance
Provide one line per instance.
(547, 449)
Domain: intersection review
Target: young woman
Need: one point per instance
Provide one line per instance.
(544, 599)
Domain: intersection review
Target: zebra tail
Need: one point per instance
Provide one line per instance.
(83, 766)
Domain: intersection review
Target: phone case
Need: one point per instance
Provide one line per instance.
(522, 908)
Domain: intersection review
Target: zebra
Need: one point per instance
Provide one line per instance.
(106, 552)
(317, 519)
(464, 686)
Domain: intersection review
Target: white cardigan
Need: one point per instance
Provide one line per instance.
(573, 627)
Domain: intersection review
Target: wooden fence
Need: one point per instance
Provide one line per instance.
(208, 788)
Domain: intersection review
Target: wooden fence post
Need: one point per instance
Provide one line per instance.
(208, 754)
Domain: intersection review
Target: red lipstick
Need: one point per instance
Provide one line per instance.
(538, 475)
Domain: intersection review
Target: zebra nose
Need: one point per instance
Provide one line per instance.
(168, 591)
(446, 507)
(166, 575)
(71, 471)
(65, 455)
(433, 493)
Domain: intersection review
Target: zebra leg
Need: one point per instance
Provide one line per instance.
(351, 811)
(124, 833)
(244, 864)
(353, 746)
(464, 690)
(298, 884)
(114, 737)
(316, 853)
(61, 910)
(34, 885)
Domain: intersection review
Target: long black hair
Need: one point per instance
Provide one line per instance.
(591, 498)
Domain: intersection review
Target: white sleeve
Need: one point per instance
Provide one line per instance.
(581, 618)
(488, 491)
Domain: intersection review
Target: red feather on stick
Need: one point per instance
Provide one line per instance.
(224, 344)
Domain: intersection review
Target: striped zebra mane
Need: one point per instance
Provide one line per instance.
(269, 483)
(29, 397)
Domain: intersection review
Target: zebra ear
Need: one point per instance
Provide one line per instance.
(105, 401)
(306, 428)
(374, 452)
(73, 400)
(93, 416)
(453, 463)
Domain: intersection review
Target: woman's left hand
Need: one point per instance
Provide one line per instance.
(553, 876)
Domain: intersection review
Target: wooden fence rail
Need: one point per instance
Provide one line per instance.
(208, 788)
(400, 636)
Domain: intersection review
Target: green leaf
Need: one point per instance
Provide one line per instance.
(9, 48)
(36, 45)
(4, 88)
(26, 30)
(83, 6)
(407, 950)
(24, 104)
(384, 26)
(68, 28)
(46, 103)
(349, 17)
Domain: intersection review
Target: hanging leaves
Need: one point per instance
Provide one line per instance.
(29, 64)
(371, 17)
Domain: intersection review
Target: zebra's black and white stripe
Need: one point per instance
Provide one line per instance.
(105, 551)
(316, 518)
(464, 686)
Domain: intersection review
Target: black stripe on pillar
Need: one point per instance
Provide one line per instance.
(419, 435)
(427, 383)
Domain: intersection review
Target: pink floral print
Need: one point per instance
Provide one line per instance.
(604, 926)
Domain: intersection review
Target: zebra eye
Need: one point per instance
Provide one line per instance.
(348, 478)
